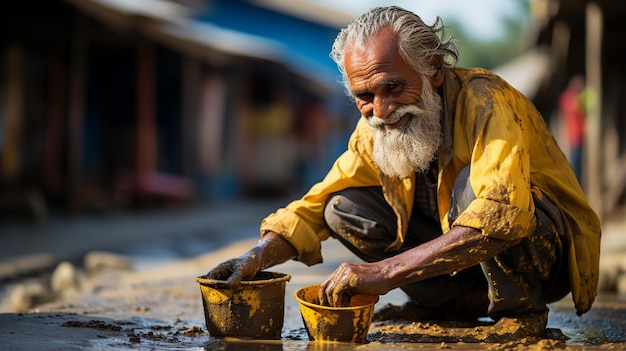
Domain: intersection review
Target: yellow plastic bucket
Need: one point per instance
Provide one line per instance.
(255, 309)
(345, 324)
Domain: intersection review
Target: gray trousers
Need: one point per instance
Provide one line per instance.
(521, 279)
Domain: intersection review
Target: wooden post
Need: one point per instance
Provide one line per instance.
(593, 165)
(211, 124)
(54, 120)
(146, 124)
(11, 156)
(75, 114)
(240, 142)
(191, 85)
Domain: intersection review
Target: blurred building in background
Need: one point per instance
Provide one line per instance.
(585, 38)
(118, 104)
(113, 104)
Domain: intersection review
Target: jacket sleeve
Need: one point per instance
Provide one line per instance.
(499, 162)
(301, 222)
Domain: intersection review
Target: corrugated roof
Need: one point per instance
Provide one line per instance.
(229, 28)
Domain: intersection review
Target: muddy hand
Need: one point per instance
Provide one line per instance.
(338, 288)
(339, 299)
(222, 271)
(235, 270)
(351, 279)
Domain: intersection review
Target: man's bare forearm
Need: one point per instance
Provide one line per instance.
(460, 248)
(272, 250)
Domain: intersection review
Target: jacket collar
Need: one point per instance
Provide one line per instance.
(451, 88)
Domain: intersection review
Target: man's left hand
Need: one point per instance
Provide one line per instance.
(351, 279)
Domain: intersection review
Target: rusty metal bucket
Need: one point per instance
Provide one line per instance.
(255, 309)
(345, 324)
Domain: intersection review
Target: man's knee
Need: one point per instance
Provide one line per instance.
(332, 212)
(360, 207)
(362, 220)
(462, 194)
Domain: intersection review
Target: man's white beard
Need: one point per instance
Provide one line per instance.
(399, 152)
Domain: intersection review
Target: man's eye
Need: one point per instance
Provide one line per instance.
(365, 96)
(393, 87)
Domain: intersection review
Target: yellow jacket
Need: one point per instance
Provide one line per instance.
(495, 130)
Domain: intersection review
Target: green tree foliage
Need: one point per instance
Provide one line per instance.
(492, 53)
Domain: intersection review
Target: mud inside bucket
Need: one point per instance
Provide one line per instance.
(254, 309)
(343, 324)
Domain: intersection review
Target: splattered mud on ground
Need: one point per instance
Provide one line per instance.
(160, 308)
(408, 323)
(137, 334)
(71, 331)
(140, 330)
(450, 332)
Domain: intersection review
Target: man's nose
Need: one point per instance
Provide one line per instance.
(383, 107)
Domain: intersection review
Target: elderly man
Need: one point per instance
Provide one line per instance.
(452, 189)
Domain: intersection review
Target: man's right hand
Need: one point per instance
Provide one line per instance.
(271, 250)
(234, 270)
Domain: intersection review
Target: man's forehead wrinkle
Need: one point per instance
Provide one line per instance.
(363, 76)
(376, 79)
(391, 81)
(373, 64)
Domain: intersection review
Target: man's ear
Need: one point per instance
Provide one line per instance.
(437, 78)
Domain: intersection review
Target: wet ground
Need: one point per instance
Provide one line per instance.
(157, 306)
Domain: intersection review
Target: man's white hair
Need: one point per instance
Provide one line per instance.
(417, 42)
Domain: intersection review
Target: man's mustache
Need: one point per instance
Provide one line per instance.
(400, 113)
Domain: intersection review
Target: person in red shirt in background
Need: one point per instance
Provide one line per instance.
(572, 108)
